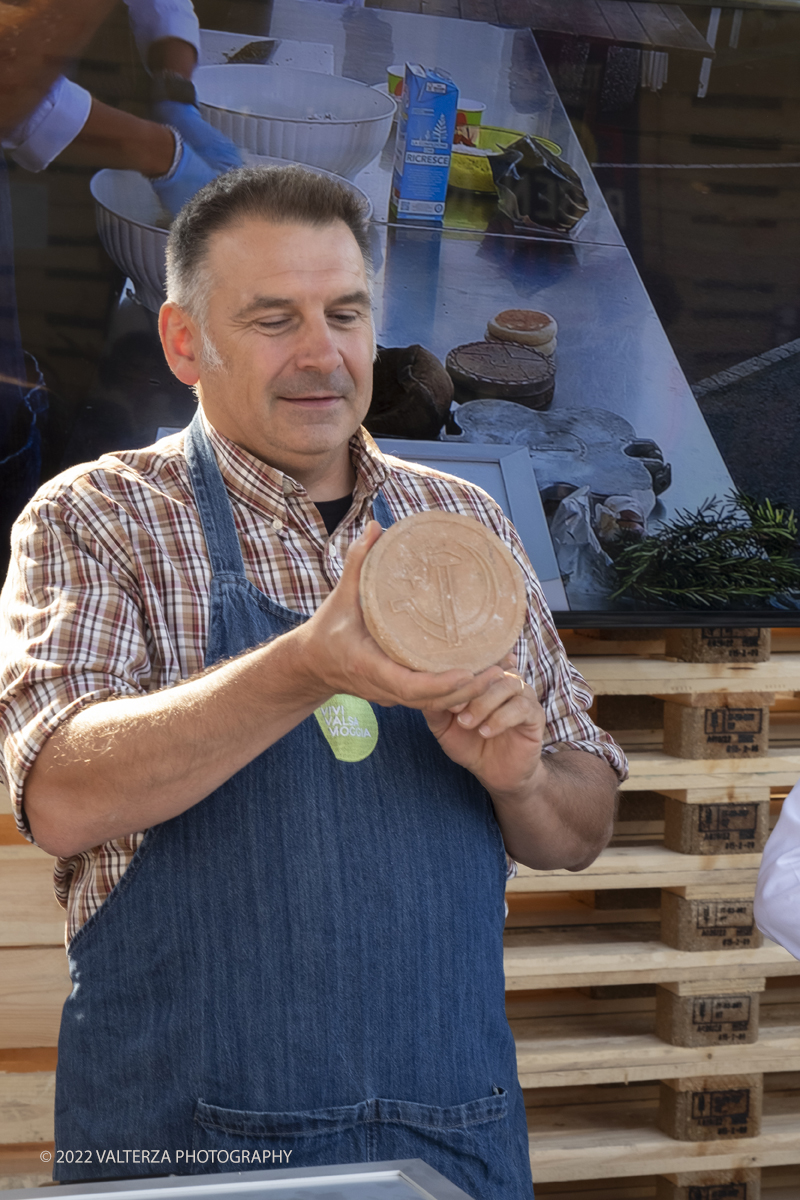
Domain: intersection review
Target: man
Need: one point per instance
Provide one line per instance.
(300, 960)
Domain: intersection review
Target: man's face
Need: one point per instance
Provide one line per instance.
(289, 313)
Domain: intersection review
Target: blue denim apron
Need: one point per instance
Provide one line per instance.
(304, 968)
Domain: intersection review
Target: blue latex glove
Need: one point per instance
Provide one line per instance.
(215, 147)
(193, 172)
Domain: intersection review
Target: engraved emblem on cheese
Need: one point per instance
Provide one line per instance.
(457, 614)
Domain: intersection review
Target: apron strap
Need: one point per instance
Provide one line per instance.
(381, 511)
(213, 504)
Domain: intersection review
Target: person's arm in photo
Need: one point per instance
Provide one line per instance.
(37, 40)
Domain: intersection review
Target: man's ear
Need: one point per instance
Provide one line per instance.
(182, 342)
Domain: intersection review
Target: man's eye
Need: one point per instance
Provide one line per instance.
(345, 318)
(275, 323)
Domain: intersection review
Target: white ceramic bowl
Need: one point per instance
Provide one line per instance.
(133, 226)
(303, 116)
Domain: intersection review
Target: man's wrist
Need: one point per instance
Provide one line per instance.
(522, 793)
(159, 148)
(294, 664)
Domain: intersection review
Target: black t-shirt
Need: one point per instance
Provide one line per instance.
(333, 511)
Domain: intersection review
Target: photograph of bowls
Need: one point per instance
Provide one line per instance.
(133, 225)
(469, 166)
(301, 116)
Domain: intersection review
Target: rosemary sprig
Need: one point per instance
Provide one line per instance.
(734, 549)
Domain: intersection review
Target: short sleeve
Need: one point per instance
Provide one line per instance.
(152, 20)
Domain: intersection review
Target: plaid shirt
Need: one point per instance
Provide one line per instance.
(108, 595)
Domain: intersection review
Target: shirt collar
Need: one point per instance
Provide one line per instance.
(266, 489)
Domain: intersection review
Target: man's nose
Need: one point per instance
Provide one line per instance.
(317, 349)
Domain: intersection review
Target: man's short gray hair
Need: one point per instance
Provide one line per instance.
(283, 195)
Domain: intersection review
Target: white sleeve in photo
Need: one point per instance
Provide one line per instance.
(50, 128)
(152, 20)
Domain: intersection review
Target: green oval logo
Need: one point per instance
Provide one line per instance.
(350, 727)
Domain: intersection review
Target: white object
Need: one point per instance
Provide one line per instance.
(54, 123)
(322, 120)
(133, 226)
(777, 904)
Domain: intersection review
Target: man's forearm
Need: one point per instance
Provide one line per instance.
(117, 139)
(564, 817)
(120, 766)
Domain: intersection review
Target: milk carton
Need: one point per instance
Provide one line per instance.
(425, 130)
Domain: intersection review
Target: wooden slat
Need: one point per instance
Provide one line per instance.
(627, 675)
(34, 983)
(479, 10)
(656, 19)
(624, 24)
(26, 1107)
(622, 1048)
(30, 915)
(440, 8)
(21, 1165)
(589, 955)
(577, 18)
(651, 770)
(622, 1139)
(643, 866)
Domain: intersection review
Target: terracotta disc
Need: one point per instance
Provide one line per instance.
(502, 371)
(440, 590)
(524, 325)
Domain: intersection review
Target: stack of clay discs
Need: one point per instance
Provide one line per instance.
(439, 590)
(501, 370)
(526, 327)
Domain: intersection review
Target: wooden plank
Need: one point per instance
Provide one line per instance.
(34, 983)
(624, 24)
(22, 1167)
(440, 8)
(578, 18)
(691, 37)
(638, 866)
(663, 31)
(571, 1142)
(479, 10)
(26, 1107)
(651, 770)
(622, 1048)
(591, 955)
(627, 675)
(30, 915)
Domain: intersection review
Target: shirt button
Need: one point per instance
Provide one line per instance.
(277, 525)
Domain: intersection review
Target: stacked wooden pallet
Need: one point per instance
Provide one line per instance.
(658, 1034)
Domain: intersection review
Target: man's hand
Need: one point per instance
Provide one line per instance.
(338, 653)
(498, 735)
(554, 810)
(217, 150)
